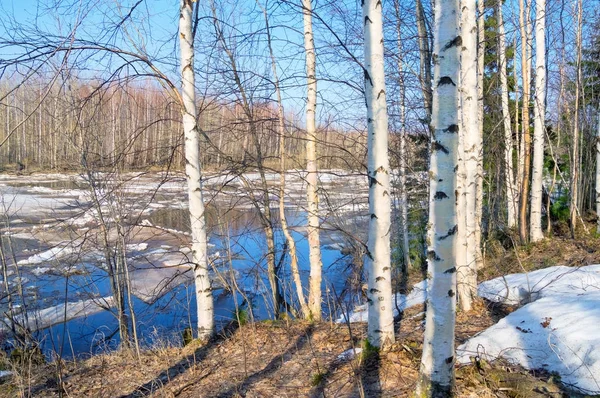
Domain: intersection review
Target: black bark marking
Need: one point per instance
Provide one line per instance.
(455, 168)
(368, 254)
(432, 255)
(374, 216)
(379, 279)
(381, 169)
(386, 268)
(373, 291)
(445, 80)
(369, 120)
(372, 181)
(367, 77)
(451, 232)
(449, 360)
(378, 4)
(456, 42)
(453, 128)
(450, 271)
(367, 19)
(439, 147)
(381, 92)
(439, 195)
(451, 293)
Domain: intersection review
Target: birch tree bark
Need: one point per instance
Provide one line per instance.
(598, 173)
(509, 173)
(403, 138)
(312, 178)
(469, 132)
(539, 123)
(526, 140)
(436, 377)
(204, 297)
(291, 243)
(480, 73)
(377, 259)
(576, 158)
(425, 58)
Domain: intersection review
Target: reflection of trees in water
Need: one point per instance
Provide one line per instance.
(238, 220)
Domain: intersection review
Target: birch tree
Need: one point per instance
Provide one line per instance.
(403, 139)
(526, 140)
(575, 156)
(469, 132)
(598, 173)
(291, 243)
(424, 57)
(312, 178)
(539, 122)
(509, 173)
(204, 299)
(377, 259)
(437, 363)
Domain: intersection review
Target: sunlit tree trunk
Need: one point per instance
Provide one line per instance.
(291, 243)
(470, 149)
(509, 174)
(437, 363)
(312, 178)
(539, 122)
(204, 298)
(403, 138)
(575, 157)
(377, 259)
(598, 173)
(480, 74)
(526, 141)
(424, 57)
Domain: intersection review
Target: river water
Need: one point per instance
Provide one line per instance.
(53, 251)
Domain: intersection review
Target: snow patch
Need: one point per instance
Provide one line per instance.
(558, 329)
(417, 296)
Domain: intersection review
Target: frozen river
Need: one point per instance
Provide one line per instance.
(54, 252)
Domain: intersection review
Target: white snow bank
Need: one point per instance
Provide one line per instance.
(41, 319)
(417, 296)
(524, 288)
(557, 332)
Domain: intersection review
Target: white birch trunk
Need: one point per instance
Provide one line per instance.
(480, 73)
(312, 178)
(403, 138)
(524, 23)
(598, 174)
(509, 173)
(204, 297)
(539, 123)
(437, 362)
(575, 167)
(377, 259)
(282, 217)
(470, 148)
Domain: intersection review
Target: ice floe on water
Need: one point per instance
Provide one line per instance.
(558, 330)
(44, 318)
(401, 302)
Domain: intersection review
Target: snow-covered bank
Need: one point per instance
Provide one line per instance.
(558, 329)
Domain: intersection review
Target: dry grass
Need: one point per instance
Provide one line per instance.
(298, 359)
